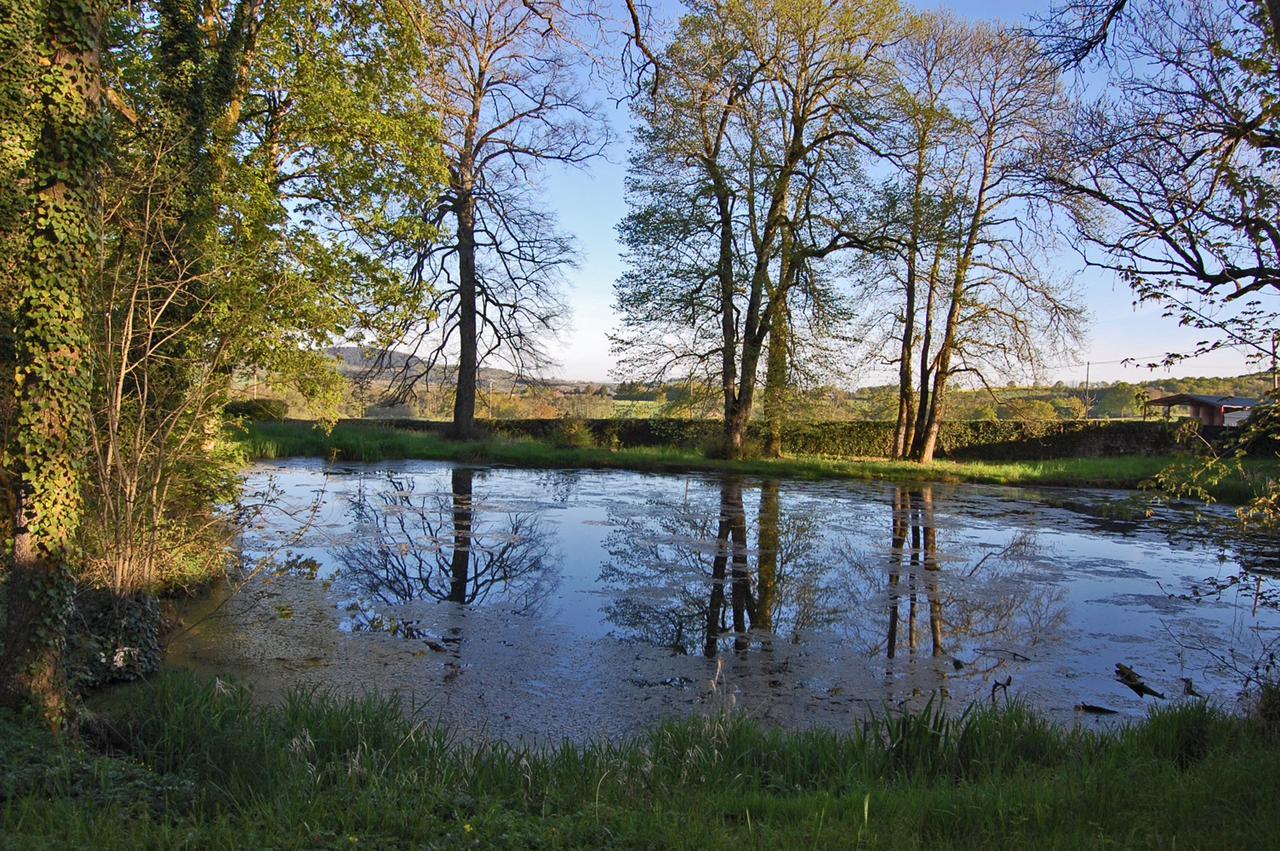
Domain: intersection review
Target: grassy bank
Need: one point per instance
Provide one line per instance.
(191, 764)
(270, 440)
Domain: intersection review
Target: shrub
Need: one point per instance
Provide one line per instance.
(257, 409)
(112, 638)
(572, 433)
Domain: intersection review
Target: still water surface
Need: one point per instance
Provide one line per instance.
(539, 605)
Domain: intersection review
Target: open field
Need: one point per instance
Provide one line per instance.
(270, 440)
(179, 762)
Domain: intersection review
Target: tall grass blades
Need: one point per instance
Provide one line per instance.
(200, 764)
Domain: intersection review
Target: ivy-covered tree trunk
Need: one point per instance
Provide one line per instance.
(52, 379)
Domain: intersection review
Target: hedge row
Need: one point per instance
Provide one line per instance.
(1005, 440)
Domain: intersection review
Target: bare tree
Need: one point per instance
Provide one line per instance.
(1177, 157)
(511, 98)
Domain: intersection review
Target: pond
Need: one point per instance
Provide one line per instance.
(538, 605)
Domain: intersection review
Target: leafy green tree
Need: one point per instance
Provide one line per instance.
(1027, 409)
(253, 192)
(1070, 408)
(263, 200)
(744, 155)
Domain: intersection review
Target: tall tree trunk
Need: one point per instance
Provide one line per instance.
(775, 376)
(927, 437)
(933, 422)
(905, 428)
(464, 398)
(739, 415)
(916, 430)
(51, 349)
(946, 349)
(775, 379)
(729, 387)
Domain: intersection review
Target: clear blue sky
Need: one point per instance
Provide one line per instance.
(591, 203)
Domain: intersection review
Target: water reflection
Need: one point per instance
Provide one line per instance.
(681, 577)
(434, 547)
(915, 538)
(972, 613)
(816, 600)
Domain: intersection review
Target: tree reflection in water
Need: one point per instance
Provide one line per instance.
(989, 609)
(681, 577)
(434, 547)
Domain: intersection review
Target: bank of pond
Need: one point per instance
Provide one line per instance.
(572, 444)
(183, 762)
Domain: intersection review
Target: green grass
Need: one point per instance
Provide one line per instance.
(271, 440)
(200, 765)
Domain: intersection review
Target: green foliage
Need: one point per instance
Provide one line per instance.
(572, 433)
(257, 409)
(267, 176)
(202, 764)
(112, 638)
(255, 190)
(1200, 475)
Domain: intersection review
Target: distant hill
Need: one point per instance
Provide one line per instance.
(357, 362)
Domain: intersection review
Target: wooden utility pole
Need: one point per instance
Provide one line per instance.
(1088, 403)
